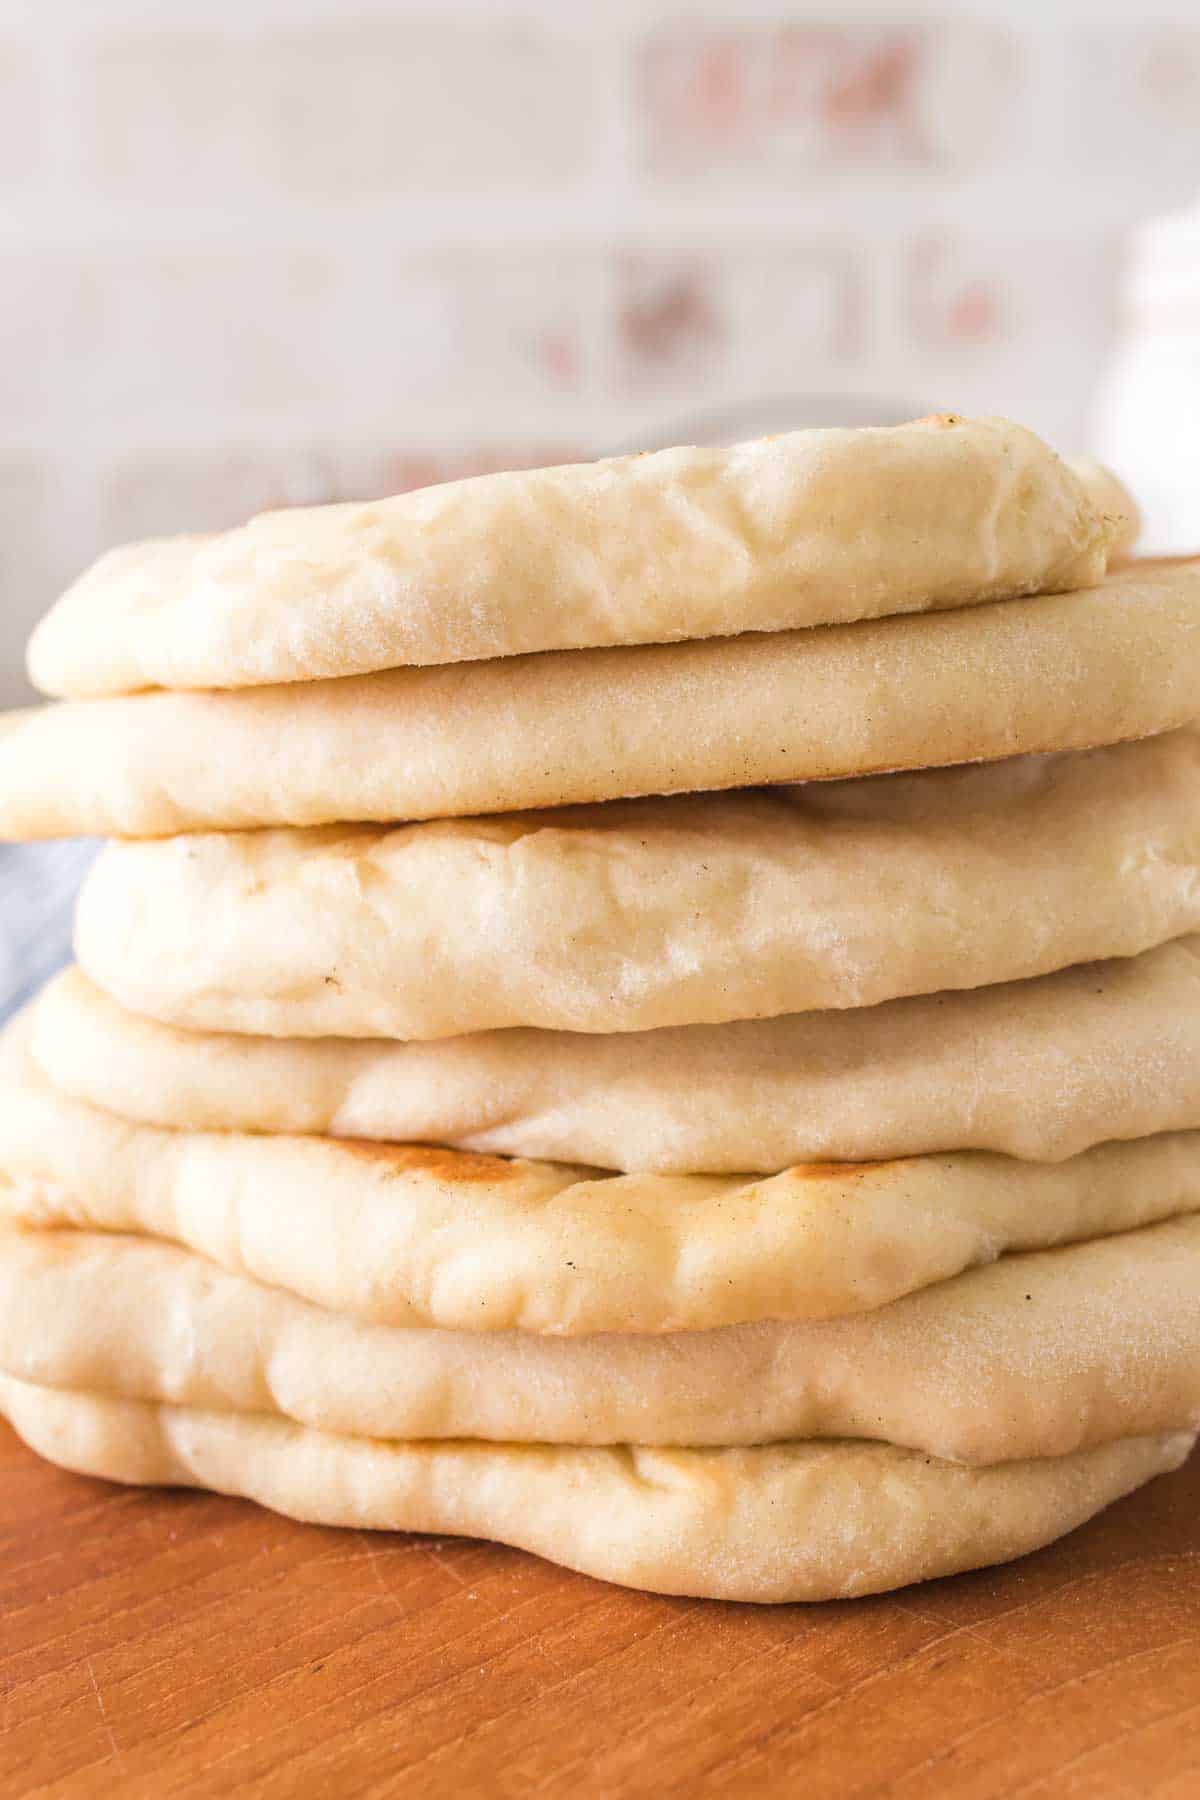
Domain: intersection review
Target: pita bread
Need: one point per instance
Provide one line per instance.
(806, 529)
(1058, 673)
(405, 1235)
(1039, 1069)
(1112, 499)
(1038, 1355)
(790, 1522)
(687, 911)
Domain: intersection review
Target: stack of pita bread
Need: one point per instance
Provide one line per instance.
(650, 1011)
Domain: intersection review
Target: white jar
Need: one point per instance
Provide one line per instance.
(1147, 411)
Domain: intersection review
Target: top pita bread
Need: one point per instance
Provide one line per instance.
(1065, 671)
(813, 528)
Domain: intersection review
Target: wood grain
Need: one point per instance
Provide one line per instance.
(161, 1644)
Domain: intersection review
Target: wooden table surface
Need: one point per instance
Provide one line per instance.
(158, 1644)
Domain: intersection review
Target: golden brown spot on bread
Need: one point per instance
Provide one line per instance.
(837, 1171)
(944, 419)
(429, 1159)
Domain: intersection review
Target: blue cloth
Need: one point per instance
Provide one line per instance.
(38, 885)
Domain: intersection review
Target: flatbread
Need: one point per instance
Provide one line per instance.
(1112, 499)
(806, 529)
(791, 1522)
(405, 1235)
(1058, 673)
(1038, 1355)
(1039, 1069)
(686, 911)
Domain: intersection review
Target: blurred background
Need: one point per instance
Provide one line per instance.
(259, 252)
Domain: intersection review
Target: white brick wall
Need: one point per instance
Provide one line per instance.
(377, 109)
(20, 122)
(1135, 106)
(273, 251)
(777, 98)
